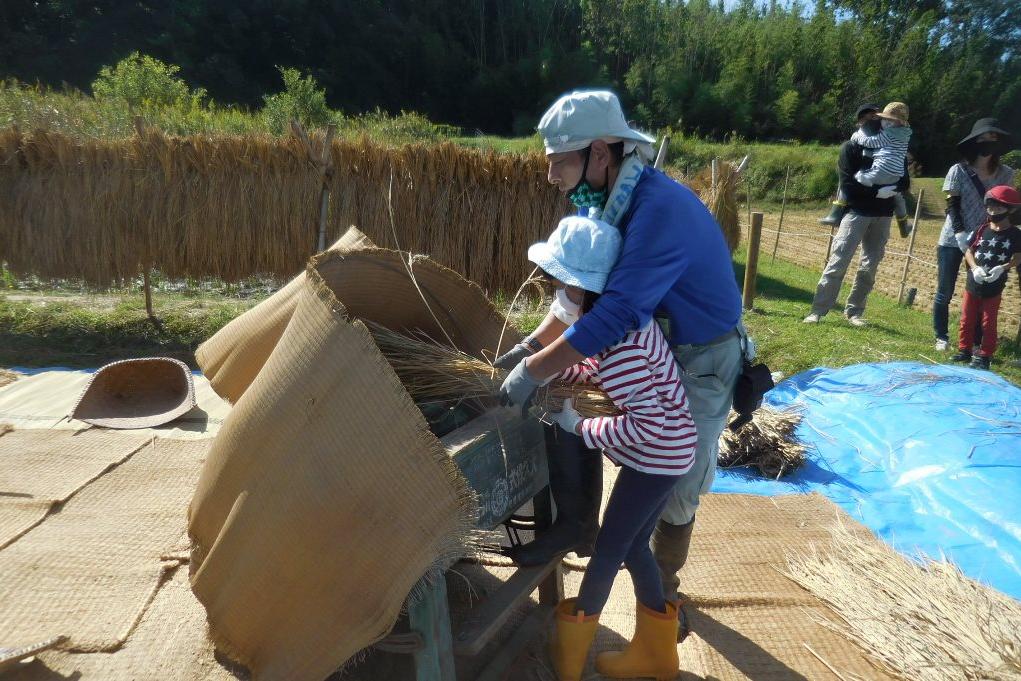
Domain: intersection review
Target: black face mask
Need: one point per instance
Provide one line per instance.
(987, 148)
(872, 127)
(999, 217)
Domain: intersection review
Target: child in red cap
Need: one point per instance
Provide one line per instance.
(994, 251)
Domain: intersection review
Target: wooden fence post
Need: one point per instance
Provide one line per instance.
(664, 146)
(326, 163)
(751, 267)
(829, 246)
(1017, 337)
(783, 206)
(911, 247)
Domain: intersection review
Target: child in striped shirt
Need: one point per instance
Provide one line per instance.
(890, 150)
(652, 440)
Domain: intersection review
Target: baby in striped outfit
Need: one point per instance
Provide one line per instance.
(652, 440)
(891, 151)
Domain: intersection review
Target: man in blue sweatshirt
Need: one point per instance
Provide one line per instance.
(675, 267)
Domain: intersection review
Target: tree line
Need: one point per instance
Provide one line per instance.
(754, 70)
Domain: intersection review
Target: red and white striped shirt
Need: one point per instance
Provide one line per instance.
(654, 432)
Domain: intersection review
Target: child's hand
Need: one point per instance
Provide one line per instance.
(995, 273)
(979, 274)
(569, 419)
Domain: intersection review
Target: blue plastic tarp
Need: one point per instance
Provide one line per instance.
(928, 457)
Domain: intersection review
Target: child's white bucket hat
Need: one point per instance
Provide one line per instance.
(580, 252)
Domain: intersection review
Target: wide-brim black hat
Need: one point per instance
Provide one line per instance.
(984, 125)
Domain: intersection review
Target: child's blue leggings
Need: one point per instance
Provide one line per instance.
(631, 514)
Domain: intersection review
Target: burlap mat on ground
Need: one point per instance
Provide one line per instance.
(233, 357)
(169, 642)
(325, 471)
(44, 400)
(88, 571)
(18, 516)
(750, 621)
(772, 642)
(734, 551)
(41, 467)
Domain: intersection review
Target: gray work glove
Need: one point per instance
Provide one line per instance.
(518, 388)
(568, 418)
(886, 193)
(995, 273)
(510, 358)
(963, 240)
(979, 274)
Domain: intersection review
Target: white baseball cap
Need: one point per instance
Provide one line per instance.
(580, 252)
(583, 116)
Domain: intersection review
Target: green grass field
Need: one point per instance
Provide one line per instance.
(61, 328)
(894, 332)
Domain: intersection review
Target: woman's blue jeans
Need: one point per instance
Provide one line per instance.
(948, 264)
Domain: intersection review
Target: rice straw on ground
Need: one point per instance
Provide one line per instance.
(768, 443)
(921, 620)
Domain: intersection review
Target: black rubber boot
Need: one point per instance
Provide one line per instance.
(905, 226)
(837, 211)
(961, 356)
(576, 482)
(670, 545)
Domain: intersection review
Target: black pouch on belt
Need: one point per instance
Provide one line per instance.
(754, 381)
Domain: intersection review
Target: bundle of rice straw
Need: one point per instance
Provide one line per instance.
(435, 373)
(768, 442)
(923, 620)
(721, 199)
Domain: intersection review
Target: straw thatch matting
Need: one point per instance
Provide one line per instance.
(231, 207)
(923, 621)
(289, 559)
(169, 643)
(19, 515)
(234, 355)
(43, 467)
(89, 571)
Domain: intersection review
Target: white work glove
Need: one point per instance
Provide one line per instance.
(995, 273)
(886, 192)
(568, 418)
(861, 179)
(979, 274)
(963, 239)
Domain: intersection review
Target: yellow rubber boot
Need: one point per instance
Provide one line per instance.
(571, 640)
(652, 653)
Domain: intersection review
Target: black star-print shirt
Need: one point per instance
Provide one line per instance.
(992, 248)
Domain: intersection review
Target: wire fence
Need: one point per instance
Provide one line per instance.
(801, 240)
